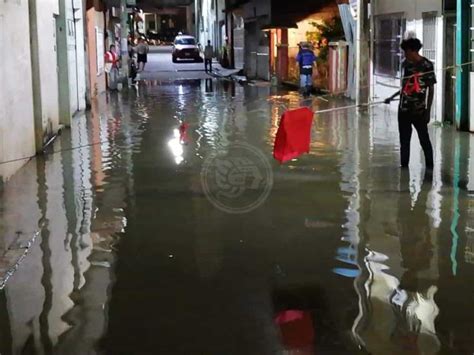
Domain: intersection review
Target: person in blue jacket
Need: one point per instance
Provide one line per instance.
(306, 60)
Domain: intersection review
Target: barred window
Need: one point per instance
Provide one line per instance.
(389, 31)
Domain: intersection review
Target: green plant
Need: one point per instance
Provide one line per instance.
(323, 33)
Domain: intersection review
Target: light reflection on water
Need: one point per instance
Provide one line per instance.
(378, 258)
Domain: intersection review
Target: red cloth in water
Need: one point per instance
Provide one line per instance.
(294, 134)
(296, 328)
(183, 133)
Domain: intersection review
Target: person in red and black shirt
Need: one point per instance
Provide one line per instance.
(416, 99)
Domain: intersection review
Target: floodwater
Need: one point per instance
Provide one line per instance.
(123, 249)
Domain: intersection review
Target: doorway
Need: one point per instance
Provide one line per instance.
(450, 75)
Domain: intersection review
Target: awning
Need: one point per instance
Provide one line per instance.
(279, 26)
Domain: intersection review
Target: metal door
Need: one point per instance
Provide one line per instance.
(72, 64)
(450, 75)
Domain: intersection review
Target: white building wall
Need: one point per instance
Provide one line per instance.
(209, 30)
(206, 29)
(16, 100)
(46, 11)
(412, 11)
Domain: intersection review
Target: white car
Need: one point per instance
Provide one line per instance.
(186, 47)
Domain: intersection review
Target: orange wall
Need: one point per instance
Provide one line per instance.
(97, 82)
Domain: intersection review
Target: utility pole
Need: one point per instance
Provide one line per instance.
(124, 37)
(362, 53)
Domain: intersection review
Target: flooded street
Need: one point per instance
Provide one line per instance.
(122, 240)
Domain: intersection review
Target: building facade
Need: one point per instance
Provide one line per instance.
(54, 69)
(95, 45)
(42, 77)
(444, 27)
(393, 21)
(210, 23)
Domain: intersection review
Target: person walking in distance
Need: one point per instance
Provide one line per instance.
(208, 54)
(416, 99)
(306, 60)
(142, 54)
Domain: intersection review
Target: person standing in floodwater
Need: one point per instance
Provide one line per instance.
(416, 99)
(306, 60)
(208, 54)
(142, 54)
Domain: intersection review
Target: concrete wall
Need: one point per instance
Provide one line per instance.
(94, 19)
(256, 15)
(42, 79)
(412, 11)
(16, 102)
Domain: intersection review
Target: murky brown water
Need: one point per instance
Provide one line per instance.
(347, 254)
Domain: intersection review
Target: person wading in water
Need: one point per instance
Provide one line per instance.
(416, 99)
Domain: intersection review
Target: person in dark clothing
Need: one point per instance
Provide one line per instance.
(416, 99)
(208, 55)
(306, 60)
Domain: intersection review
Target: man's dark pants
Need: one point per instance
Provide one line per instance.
(208, 62)
(405, 122)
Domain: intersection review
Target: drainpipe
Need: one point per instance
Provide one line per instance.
(35, 72)
(462, 72)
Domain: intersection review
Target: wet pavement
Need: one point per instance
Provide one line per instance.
(161, 67)
(155, 237)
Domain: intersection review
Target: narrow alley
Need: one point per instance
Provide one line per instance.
(149, 214)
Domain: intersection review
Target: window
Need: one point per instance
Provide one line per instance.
(388, 54)
(185, 41)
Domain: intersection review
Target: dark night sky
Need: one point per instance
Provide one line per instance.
(285, 11)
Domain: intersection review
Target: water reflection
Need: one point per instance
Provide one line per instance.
(57, 300)
(348, 254)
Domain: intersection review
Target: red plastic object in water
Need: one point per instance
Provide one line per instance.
(183, 133)
(294, 134)
(296, 329)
